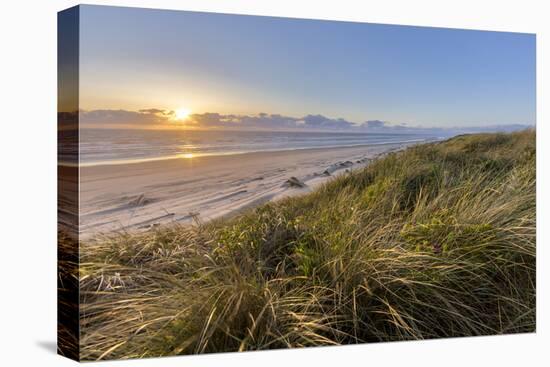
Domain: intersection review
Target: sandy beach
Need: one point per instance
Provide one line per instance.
(139, 196)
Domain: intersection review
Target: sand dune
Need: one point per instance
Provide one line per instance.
(134, 197)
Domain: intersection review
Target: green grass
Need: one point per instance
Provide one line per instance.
(434, 241)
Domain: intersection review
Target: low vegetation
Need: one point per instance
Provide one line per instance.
(434, 241)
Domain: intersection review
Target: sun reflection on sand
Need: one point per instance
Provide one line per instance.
(186, 155)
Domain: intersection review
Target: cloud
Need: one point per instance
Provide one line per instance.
(374, 124)
(265, 121)
(268, 121)
(158, 112)
(143, 117)
(320, 121)
(155, 117)
(160, 117)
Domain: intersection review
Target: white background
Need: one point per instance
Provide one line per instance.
(28, 182)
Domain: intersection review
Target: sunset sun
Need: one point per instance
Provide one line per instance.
(182, 113)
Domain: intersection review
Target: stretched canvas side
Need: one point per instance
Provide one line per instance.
(68, 180)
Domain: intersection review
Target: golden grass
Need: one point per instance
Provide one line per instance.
(435, 241)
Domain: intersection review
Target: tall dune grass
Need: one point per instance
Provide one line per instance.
(435, 241)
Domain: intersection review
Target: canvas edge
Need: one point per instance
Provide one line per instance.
(68, 309)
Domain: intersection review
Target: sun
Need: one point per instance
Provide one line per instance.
(182, 113)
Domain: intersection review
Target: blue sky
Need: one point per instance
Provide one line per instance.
(134, 59)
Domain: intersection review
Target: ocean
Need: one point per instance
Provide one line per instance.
(117, 146)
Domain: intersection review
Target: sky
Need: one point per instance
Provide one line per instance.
(153, 67)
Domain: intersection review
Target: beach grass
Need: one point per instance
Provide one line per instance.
(434, 241)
